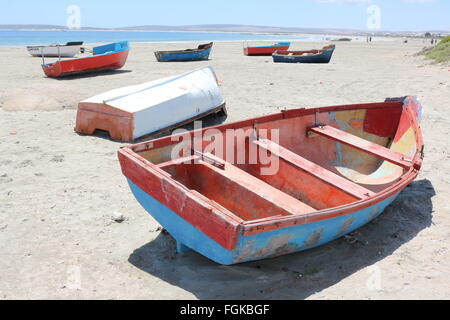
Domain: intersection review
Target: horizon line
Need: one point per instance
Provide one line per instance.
(218, 28)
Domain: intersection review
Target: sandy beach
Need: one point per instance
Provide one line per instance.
(60, 192)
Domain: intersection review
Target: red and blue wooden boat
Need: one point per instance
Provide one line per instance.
(107, 57)
(201, 53)
(266, 50)
(312, 56)
(337, 168)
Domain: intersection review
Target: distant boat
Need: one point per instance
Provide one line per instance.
(344, 39)
(201, 53)
(312, 56)
(106, 57)
(70, 49)
(266, 50)
(277, 184)
(132, 112)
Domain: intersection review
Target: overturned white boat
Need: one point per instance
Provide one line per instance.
(133, 112)
(70, 49)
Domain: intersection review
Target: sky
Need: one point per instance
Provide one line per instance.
(383, 15)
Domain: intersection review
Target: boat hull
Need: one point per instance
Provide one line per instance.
(53, 51)
(137, 111)
(264, 51)
(183, 56)
(324, 57)
(354, 161)
(91, 64)
(259, 246)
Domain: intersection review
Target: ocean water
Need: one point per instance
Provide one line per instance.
(24, 38)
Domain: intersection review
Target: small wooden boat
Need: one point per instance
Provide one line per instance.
(152, 107)
(266, 50)
(107, 57)
(70, 49)
(277, 184)
(312, 56)
(344, 39)
(201, 53)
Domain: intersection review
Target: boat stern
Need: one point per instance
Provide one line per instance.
(99, 116)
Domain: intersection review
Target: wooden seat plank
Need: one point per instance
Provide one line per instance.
(319, 172)
(264, 190)
(363, 145)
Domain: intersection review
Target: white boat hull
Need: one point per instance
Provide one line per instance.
(132, 112)
(54, 51)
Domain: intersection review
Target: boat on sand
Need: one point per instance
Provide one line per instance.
(70, 49)
(277, 184)
(201, 53)
(266, 50)
(152, 107)
(312, 56)
(104, 58)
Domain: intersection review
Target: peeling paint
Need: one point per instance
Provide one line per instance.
(346, 226)
(374, 212)
(314, 238)
(278, 246)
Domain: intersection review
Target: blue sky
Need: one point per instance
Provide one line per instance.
(396, 15)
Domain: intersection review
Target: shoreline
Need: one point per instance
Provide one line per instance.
(215, 41)
(304, 38)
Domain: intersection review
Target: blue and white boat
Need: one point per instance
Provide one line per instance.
(201, 53)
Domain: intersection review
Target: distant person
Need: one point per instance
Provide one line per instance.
(370, 39)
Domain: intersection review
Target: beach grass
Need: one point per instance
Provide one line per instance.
(441, 52)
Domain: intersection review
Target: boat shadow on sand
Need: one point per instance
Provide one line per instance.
(185, 61)
(298, 275)
(91, 75)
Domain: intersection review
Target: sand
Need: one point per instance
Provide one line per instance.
(61, 193)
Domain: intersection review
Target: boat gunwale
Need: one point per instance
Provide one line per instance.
(270, 47)
(54, 46)
(284, 114)
(283, 53)
(273, 223)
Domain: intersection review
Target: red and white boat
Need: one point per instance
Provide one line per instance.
(108, 57)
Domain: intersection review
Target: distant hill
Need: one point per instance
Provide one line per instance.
(239, 28)
(38, 27)
(30, 27)
(226, 28)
